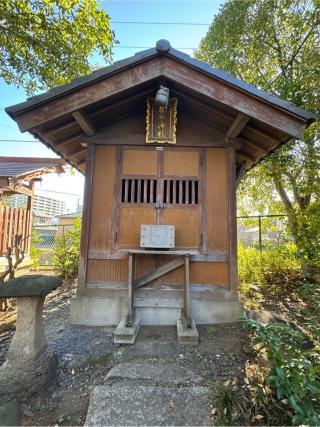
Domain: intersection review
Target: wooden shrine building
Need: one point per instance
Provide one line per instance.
(163, 139)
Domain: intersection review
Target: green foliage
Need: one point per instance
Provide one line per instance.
(258, 270)
(44, 43)
(34, 249)
(294, 371)
(272, 44)
(67, 250)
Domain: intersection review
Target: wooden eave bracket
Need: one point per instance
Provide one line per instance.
(84, 122)
(237, 125)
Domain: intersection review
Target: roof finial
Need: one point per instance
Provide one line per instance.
(163, 45)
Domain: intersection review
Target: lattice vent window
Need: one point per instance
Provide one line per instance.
(138, 190)
(181, 192)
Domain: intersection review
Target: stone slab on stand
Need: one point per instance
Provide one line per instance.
(124, 334)
(29, 365)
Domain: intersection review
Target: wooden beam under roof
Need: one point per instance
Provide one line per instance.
(84, 122)
(76, 153)
(253, 145)
(67, 140)
(247, 156)
(259, 133)
(237, 125)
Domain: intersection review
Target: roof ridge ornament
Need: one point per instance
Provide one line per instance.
(163, 45)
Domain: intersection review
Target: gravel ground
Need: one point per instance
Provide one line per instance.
(86, 354)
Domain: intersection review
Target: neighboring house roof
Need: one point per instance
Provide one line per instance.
(67, 116)
(22, 166)
(15, 170)
(69, 215)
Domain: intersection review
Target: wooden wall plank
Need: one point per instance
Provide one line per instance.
(186, 222)
(102, 198)
(130, 220)
(217, 200)
(176, 164)
(139, 162)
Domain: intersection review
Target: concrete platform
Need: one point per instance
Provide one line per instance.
(124, 334)
(106, 306)
(188, 336)
(139, 405)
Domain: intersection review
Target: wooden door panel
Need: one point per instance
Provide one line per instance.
(186, 222)
(130, 220)
(181, 163)
(139, 162)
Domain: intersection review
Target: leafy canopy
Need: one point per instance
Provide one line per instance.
(274, 45)
(44, 43)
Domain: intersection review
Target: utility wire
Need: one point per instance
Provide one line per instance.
(58, 192)
(160, 23)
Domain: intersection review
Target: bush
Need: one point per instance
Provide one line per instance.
(294, 371)
(34, 250)
(67, 250)
(270, 268)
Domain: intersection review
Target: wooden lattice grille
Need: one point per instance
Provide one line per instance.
(138, 190)
(181, 191)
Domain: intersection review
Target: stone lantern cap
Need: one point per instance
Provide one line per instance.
(36, 285)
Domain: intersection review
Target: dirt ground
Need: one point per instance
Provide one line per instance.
(86, 354)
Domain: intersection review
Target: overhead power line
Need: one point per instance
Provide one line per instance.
(160, 23)
(59, 192)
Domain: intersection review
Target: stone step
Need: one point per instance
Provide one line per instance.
(138, 405)
(151, 374)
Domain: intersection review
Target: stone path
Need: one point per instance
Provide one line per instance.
(144, 394)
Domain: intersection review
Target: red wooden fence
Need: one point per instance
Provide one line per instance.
(14, 222)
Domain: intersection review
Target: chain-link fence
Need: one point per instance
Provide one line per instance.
(44, 240)
(260, 231)
(263, 231)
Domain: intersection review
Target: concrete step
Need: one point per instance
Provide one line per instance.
(147, 373)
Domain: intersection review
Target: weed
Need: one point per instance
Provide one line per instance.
(100, 359)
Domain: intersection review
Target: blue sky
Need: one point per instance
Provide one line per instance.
(180, 36)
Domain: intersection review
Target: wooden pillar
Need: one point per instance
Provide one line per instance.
(232, 217)
(85, 229)
(129, 322)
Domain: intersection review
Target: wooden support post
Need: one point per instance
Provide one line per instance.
(85, 229)
(233, 266)
(186, 314)
(129, 321)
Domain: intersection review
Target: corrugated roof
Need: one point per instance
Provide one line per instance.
(163, 49)
(17, 166)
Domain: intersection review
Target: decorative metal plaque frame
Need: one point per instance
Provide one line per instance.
(161, 123)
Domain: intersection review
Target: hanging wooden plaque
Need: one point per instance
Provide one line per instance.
(161, 123)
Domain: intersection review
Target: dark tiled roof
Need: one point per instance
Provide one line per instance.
(145, 55)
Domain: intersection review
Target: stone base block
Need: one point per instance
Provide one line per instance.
(124, 334)
(26, 377)
(109, 310)
(188, 336)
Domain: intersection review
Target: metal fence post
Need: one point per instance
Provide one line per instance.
(260, 234)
